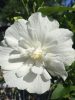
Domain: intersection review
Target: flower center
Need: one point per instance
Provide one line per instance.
(37, 54)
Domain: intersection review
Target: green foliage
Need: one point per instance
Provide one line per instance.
(22, 8)
(50, 10)
(59, 92)
(63, 92)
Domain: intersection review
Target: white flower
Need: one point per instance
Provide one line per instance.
(33, 49)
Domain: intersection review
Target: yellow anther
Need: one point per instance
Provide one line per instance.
(37, 54)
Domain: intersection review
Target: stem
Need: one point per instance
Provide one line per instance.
(49, 95)
(23, 3)
(25, 7)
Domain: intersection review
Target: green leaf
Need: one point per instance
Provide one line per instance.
(60, 92)
(40, 2)
(49, 10)
(72, 98)
(72, 88)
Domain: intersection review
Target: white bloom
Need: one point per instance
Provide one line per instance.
(32, 49)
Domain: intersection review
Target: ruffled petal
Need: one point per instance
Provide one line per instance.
(37, 70)
(36, 85)
(64, 51)
(39, 86)
(46, 75)
(68, 56)
(40, 23)
(61, 35)
(23, 70)
(15, 32)
(55, 67)
(5, 63)
(13, 81)
(39, 27)
(11, 42)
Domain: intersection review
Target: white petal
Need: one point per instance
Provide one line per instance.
(38, 86)
(39, 22)
(23, 70)
(25, 43)
(55, 67)
(61, 35)
(14, 56)
(13, 81)
(39, 26)
(68, 56)
(3, 43)
(37, 70)
(63, 46)
(29, 77)
(11, 42)
(64, 51)
(46, 75)
(59, 47)
(4, 59)
(5, 50)
(15, 32)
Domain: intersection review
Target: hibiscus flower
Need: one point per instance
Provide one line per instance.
(34, 50)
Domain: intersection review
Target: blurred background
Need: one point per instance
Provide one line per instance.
(61, 10)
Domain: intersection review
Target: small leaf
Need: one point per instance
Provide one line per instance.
(72, 88)
(60, 92)
(17, 17)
